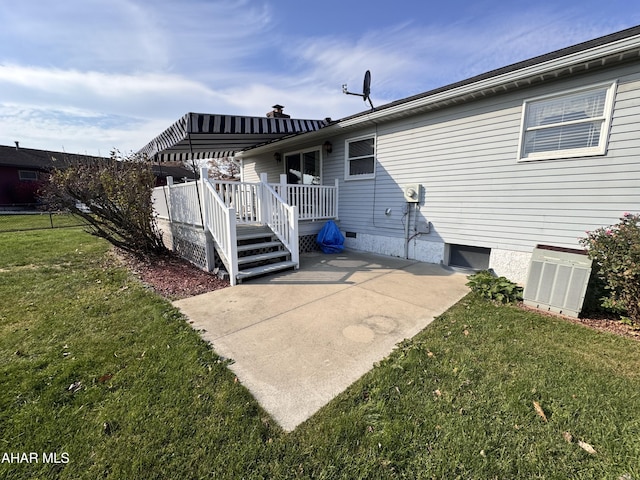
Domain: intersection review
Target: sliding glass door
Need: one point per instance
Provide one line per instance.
(303, 168)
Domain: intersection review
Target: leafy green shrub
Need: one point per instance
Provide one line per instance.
(615, 251)
(495, 288)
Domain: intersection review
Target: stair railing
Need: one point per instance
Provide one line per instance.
(281, 218)
(220, 221)
(243, 196)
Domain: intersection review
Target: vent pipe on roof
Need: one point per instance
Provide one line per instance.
(17, 145)
(277, 112)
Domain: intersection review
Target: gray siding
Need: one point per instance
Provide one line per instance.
(253, 167)
(475, 191)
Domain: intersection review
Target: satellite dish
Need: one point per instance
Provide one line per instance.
(366, 85)
(366, 89)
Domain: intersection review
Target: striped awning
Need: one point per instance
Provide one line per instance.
(199, 136)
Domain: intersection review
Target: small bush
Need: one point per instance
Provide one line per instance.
(615, 251)
(499, 289)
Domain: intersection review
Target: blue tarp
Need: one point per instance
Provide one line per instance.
(330, 238)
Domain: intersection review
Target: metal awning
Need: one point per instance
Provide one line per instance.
(202, 136)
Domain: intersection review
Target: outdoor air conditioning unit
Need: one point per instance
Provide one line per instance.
(412, 193)
(558, 279)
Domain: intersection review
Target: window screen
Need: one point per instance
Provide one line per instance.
(572, 124)
(360, 158)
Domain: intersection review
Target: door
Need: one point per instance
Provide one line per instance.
(303, 168)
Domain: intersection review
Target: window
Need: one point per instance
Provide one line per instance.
(361, 159)
(571, 124)
(27, 176)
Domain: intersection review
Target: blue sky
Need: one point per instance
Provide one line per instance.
(88, 76)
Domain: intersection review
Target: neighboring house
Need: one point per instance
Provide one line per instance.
(23, 172)
(176, 170)
(477, 173)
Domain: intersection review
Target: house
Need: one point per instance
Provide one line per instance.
(23, 172)
(477, 173)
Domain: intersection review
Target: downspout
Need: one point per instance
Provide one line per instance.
(406, 232)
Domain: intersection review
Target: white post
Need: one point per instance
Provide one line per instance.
(204, 177)
(263, 207)
(210, 256)
(335, 201)
(233, 246)
(284, 193)
(293, 236)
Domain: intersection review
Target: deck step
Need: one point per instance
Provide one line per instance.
(253, 235)
(258, 246)
(264, 269)
(261, 257)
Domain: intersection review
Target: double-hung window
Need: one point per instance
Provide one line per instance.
(570, 124)
(360, 158)
(28, 176)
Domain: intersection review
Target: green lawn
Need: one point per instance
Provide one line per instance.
(109, 377)
(11, 222)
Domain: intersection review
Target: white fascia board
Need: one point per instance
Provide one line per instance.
(489, 83)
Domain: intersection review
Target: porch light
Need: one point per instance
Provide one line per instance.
(328, 148)
(278, 157)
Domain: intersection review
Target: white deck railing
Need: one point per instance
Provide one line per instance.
(178, 203)
(243, 197)
(160, 197)
(282, 219)
(315, 202)
(220, 221)
(219, 206)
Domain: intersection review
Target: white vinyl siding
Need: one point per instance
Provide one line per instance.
(566, 125)
(476, 194)
(360, 158)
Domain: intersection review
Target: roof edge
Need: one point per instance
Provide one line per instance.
(584, 51)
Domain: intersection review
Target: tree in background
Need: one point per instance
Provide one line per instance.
(113, 196)
(225, 168)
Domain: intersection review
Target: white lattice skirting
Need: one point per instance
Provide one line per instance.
(307, 243)
(195, 253)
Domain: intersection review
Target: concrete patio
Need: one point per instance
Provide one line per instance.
(300, 338)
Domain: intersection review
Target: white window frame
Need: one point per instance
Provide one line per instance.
(28, 175)
(605, 119)
(347, 159)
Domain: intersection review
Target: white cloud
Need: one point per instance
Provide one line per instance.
(126, 69)
(408, 59)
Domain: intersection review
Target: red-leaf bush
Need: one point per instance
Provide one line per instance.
(615, 251)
